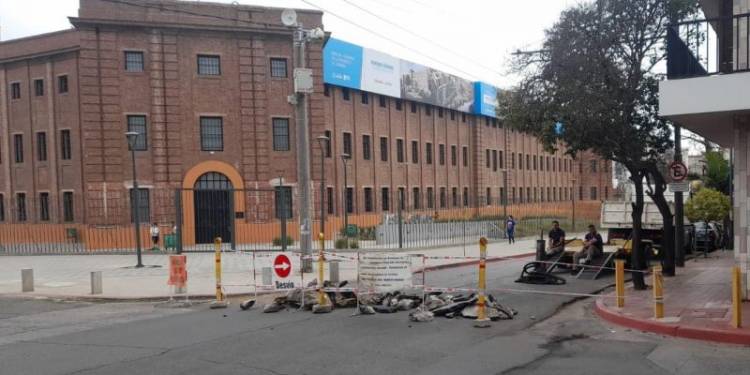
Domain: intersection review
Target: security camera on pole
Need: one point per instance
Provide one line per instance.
(303, 85)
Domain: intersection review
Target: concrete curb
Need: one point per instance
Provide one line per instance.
(726, 336)
(474, 262)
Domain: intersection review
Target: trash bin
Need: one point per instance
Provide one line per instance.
(170, 242)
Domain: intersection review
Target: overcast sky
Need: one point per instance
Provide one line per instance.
(469, 38)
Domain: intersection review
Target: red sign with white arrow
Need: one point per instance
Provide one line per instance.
(282, 266)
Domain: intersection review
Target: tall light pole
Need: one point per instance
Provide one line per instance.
(344, 159)
(136, 200)
(323, 142)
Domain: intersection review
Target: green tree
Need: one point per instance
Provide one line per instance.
(595, 75)
(717, 172)
(708, 205)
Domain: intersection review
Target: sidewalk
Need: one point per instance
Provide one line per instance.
(69, 275)
(697, 303)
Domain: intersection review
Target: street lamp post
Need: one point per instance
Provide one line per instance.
(344, 159)
(132, 139)
(322, 142)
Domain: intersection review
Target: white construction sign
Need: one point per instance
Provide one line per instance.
(277, 270)
(382, 272)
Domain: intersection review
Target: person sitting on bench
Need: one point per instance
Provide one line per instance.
(593, 246)
(556, 240)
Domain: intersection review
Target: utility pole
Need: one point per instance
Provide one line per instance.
(679, 246)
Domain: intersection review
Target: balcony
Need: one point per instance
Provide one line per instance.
(710, 46)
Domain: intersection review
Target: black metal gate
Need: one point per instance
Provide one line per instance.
(212, 199)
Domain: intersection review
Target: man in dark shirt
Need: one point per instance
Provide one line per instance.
(593, 246)
(556, 240)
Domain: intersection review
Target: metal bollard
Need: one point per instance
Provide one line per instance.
(323, 305)
(620, 282)
(27, 280)
(736, 297)
(96, 282)
(220, 301)
(482, 320)
(658, 281)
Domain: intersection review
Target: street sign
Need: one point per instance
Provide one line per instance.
(677, 171)
(679, 187)
(282, 266)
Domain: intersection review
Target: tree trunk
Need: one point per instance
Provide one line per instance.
(637, 260)
(659, 185)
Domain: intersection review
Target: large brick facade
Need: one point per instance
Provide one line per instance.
(101, 93)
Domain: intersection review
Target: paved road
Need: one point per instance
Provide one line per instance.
(48, 337)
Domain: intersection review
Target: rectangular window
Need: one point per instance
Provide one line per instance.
(280, 134)
(366, 147)
(21, 206)
(41, 146)
(15, 90)
(580, 193)
(512, 161)
(427, 110)
(413, 107)
(383, 148)
(399, 104)
(328, 143)
(486, 121)
(212, 134)
(487, 158)
(463, 117)
(489, 196)
(368, 199)
(278, 67)
(453, 115)
(414, 152)
(494, 160)
(442, 197)
(593, 193)
(520, 161)
(142, 197)
(454, 195)
(44, 206)
(400, 150)
(62, 84)
(364, 98)
(528, 161)
(454, 156)
(347, 143)
(441, 154)
(385, 199)
(428, 153)
(2, 207)
(520, 193)
(329, 200)
(402, 198)
(593, 165)
(417, 198)
(503, 198)
(430, 198)
(137, 123)
(68, 206)
(345, 93)
(381, 101)
(500, 159)
(284, 204)
(349, 200)
(465, 154)
(535, 165)
(209, 65)
(18, 147)
(134, 61)
(326, 90)
(606, 192)
(39, 87)
(466, 197)
(440, 112)
(66, 152)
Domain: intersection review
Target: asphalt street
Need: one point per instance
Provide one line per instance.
(551, 334)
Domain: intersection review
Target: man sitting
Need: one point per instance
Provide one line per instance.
(593, 246)
(556, 240)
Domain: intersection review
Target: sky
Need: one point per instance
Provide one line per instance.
(473, 39)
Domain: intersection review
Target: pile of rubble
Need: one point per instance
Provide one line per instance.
(435, 304)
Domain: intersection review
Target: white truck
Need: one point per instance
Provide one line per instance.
(617, 219)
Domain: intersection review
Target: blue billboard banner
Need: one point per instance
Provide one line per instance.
(342, 64)
(485, 99)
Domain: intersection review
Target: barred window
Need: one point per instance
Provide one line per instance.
(62, 84)
(329, 200)
(41, 146)
(21, 206)
(18, 147)
(212, 133)
(283, 199)
(349, 200)
(400, 150)
(430, 198)
(442, 197)
(454, 155)
(2, 207)
(209, 65)
(39, 87)
(44, 206)
(383, 149)
(137, 123)
(366, 148)
(415, 152)
(65, 150)
(382, 101)
(68, 206)
(365, 98)
(15, 90)
(328, 143)
(385, 201)
(281, 134)
(347, 143)
(368, 199)
(278, 67)
(399, 104)
(144, 209)
(441, 154)
(134, 61)
(345, 93)
(465, 154)
(428, 153)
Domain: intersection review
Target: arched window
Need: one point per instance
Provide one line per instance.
(213, 181)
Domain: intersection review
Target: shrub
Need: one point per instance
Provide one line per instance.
(277, 241)
(341, 244)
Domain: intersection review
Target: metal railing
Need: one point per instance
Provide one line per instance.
(709, 46)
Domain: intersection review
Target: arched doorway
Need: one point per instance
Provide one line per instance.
(212, 199)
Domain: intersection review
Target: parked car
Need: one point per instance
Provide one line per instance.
(708, 235)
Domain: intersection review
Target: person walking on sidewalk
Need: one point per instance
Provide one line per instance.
(155, 236)
(510, 228)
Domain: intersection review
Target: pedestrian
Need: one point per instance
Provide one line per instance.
(155, 236)
(510, 228)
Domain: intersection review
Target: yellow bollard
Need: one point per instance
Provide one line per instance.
(220, 302)
(620, 282)
(658, 282)
(482, 320)
(736, 297)
(321, 273)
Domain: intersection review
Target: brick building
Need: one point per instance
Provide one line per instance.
(207, 85)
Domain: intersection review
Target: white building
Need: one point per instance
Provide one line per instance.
(708, 92)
